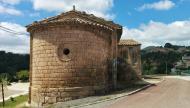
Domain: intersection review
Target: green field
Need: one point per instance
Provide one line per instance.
(15, 102)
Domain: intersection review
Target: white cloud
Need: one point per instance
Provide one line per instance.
(6, 7)
(10, 11)
(12, 42)
(157, 33)
(97, 7)
(161, 5)
(11, 2)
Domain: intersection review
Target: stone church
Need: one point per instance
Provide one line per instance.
(74, 55)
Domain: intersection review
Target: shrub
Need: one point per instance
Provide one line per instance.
(23, 75)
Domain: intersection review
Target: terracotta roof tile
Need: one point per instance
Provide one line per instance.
(129, 42)
(75, 16)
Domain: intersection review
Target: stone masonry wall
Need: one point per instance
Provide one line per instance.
(81, 72)
(132, 56)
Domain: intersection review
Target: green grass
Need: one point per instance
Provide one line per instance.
(17, 100)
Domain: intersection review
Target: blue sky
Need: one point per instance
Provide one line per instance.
(128, 14)
(151, 22)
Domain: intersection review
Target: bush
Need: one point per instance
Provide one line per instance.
(23, 75)
(12, 99)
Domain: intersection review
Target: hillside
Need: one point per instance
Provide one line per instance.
(158, 60)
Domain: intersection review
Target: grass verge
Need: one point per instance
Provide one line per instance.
(14, 102)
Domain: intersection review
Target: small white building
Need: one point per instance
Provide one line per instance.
(186, 60)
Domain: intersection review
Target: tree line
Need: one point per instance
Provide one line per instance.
(161, 62)
(16, 66)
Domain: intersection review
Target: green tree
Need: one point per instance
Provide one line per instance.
(155, 62)
(12, 63)
(168, 45)
(23, 75)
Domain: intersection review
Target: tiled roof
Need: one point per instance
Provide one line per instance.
(77, 17)
(87, 18)
(82, 15)
(129, 42)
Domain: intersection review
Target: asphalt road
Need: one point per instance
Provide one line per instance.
(171, 93)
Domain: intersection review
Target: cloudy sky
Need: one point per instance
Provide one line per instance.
(151, 22)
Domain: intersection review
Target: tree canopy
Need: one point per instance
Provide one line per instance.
(11, 63)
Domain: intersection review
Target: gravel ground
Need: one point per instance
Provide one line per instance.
(9, 93)
(187, 78)
(19, 86)
(15, 89)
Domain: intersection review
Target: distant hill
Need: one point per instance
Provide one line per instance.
(156, 59)
(156, 49)
(167, 48)
(149, 48)
(11, 63)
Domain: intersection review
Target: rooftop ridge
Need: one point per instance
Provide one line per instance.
(128, 42)
(85, 18)
(83, 14)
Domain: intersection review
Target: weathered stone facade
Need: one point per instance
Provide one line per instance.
(70, 56)
(129, 55)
